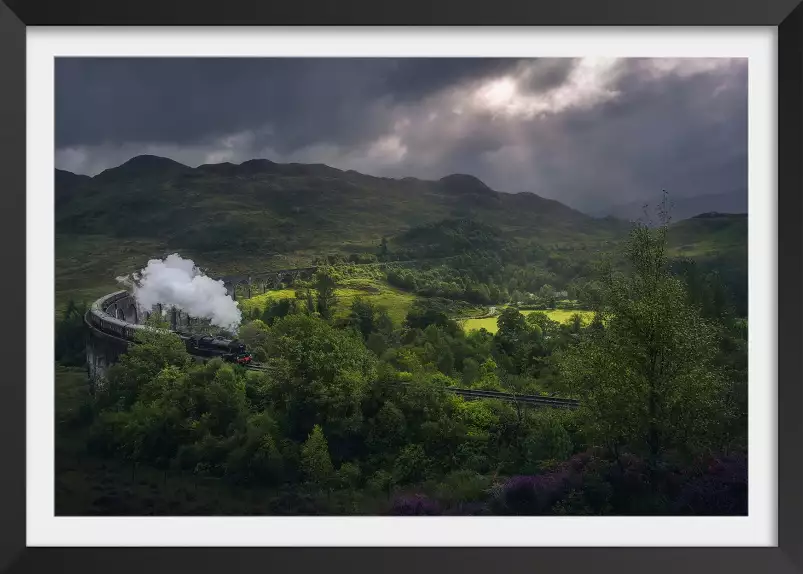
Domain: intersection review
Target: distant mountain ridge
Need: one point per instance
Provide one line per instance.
(262, 214)
(261, 204)
(262, 208)
(685, 207)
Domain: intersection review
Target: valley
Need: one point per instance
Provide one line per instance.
(419, 286)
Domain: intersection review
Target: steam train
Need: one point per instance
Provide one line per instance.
(101, 319)
(231, 350)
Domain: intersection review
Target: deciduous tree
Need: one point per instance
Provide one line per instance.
(316, 464)
(648, 380)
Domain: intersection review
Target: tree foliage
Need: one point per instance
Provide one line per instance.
(353, 415)
(71, 334)
(325, 289)
(648, 381)
(316, 463)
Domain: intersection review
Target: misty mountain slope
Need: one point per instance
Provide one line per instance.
(733, 202)
(709, 235)
(716, 242)
(263, 207)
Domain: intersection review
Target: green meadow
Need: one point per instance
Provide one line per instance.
(559, 315)
(396, 301)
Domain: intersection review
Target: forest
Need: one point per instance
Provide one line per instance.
(350, 414)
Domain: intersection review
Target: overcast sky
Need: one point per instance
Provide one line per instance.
(587, 132)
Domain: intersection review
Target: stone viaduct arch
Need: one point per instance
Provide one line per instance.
(265, 281)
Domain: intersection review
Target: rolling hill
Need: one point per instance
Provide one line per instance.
(716, 242)
(263, 205)
(280, 214)
(260, 214)
(710, 234)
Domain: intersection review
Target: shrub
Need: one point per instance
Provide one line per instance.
(348, 475)
(414, 505)
(548, 440)
(528, 495)
(381, 481)
(463, 486)
(538, 494)
(720, 490)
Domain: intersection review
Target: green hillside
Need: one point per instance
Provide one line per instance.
(263, 209)
(716, 242)
(709, 234)
(261, 215)
(349, 413)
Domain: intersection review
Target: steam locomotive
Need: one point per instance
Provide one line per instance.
(229, 350)
(100, 317)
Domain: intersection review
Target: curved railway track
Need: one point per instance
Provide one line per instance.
(476, 394)
(530, 400)
(97, 318)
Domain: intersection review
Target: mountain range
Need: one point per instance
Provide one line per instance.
(260, 213)
(262, 205)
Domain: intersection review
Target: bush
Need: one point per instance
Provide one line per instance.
(414, 505)
(532, 495)
(548, 440)
(381, 481)
(720, 491)
(71, 333)
(348, 475)
(463, 486)
(538, 494)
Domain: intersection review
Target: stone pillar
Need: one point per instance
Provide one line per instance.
(97, 362)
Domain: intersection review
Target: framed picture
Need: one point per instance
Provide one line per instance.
(407, 286)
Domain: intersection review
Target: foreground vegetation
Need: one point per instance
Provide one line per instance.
(351, 417)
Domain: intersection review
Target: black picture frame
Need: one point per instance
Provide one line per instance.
(787, 15)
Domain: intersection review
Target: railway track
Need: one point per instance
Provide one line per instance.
(471, 394)
(476, 394)
(531, 400)
(258, 367)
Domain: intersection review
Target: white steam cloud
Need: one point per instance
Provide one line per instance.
(177, 282)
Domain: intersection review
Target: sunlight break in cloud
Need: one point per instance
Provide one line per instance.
(589, 83)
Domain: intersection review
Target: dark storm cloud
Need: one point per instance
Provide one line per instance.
(586, 132)
(686, 134)
(185, 100)
(413, 78)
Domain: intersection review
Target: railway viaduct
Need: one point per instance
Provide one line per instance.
(274, 279)
(266, 280)
(103, 347)
(113, 320)
(119, 313)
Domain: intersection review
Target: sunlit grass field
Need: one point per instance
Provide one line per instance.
(396, 302)
(559, 315)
